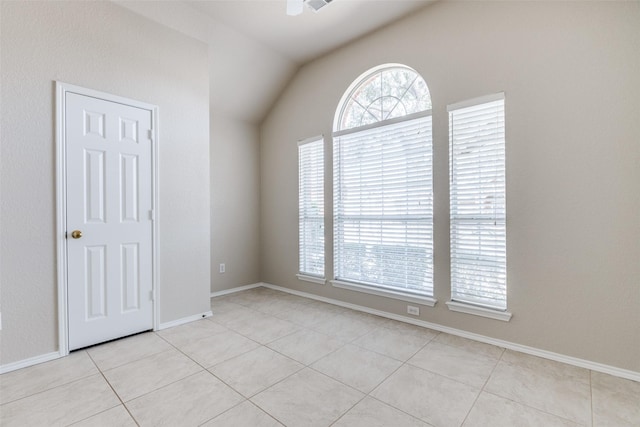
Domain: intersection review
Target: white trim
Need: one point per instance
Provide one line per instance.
(505, 316)
(412, 116)
(310, 140)
(582, 363)
(312, 279)
(234, 290)
(25, 363)
(61, 211)
(155, 205)
(358, 81)
(476, 101)
(416, 299)
(184, 320)
(61, 203)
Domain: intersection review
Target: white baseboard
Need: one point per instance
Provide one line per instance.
(184, 320)
(237, 289)
(29, 362)
(56, 355)
(582, 363)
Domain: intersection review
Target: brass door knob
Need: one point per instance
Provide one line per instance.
(76, 234)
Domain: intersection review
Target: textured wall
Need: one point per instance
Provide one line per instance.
(239, 98)
(235, 202)
(101, 46)
(571, 74)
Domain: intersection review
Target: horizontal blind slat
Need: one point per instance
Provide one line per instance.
(383, 215)
(311, 207)
(477, 204)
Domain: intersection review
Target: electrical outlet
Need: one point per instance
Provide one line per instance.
(222, 269)
(413, 310)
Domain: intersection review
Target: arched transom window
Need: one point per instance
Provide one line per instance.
(383, 197)
(383, 93)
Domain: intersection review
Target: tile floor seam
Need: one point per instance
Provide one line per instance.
(534, 408)
(264, 389)
(135, 361)
(323, 374)
(482, 388)
(484, 356)
(492, 371)
(348, 385)
(160, 388)
(102, 412)
(225, 360)
(277, 382)
(441, 376)
(546, 411)
(390, 404)
(269, 342)
(401, 410)
(204, 369)
(347, 411)
(114, 392)
(57, 385)
(87, 349)
(302, 363)
(224, 412)
(383, 354)
(478, 407)
(49, 389)
(267, 412)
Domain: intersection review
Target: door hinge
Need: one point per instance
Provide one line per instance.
(150, 134)
(152, 295)
(152, 214)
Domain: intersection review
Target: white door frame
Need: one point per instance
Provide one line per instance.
(61, 203)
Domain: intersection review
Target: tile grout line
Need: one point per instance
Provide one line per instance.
(246, 399)
(482, 389)
(113, 390)
(373, 328)
(514, 401)
(306, 366)
(50, 388)
(405, 363)
(475, 401)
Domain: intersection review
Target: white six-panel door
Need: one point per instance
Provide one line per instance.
(109, 207)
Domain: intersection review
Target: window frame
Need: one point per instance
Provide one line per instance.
(382, 290)
(458, 303)
(310, 143)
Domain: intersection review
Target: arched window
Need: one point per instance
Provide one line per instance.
(383, 93)
(383, 198)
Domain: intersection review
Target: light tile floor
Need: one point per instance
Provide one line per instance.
(267, 358)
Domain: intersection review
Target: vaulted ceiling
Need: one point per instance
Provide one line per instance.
(255, 48)
(305, 37)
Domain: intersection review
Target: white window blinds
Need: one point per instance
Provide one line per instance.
(311, 206)
(383, 205)
(477, 198)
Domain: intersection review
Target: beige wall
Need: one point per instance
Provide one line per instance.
(571, 74)
(104, 47)
(239, 98)
(235, 208)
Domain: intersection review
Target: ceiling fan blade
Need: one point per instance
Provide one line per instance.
(294, 7)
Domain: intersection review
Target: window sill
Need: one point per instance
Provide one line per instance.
(312, 279)
(505, 316)
(417, 299)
